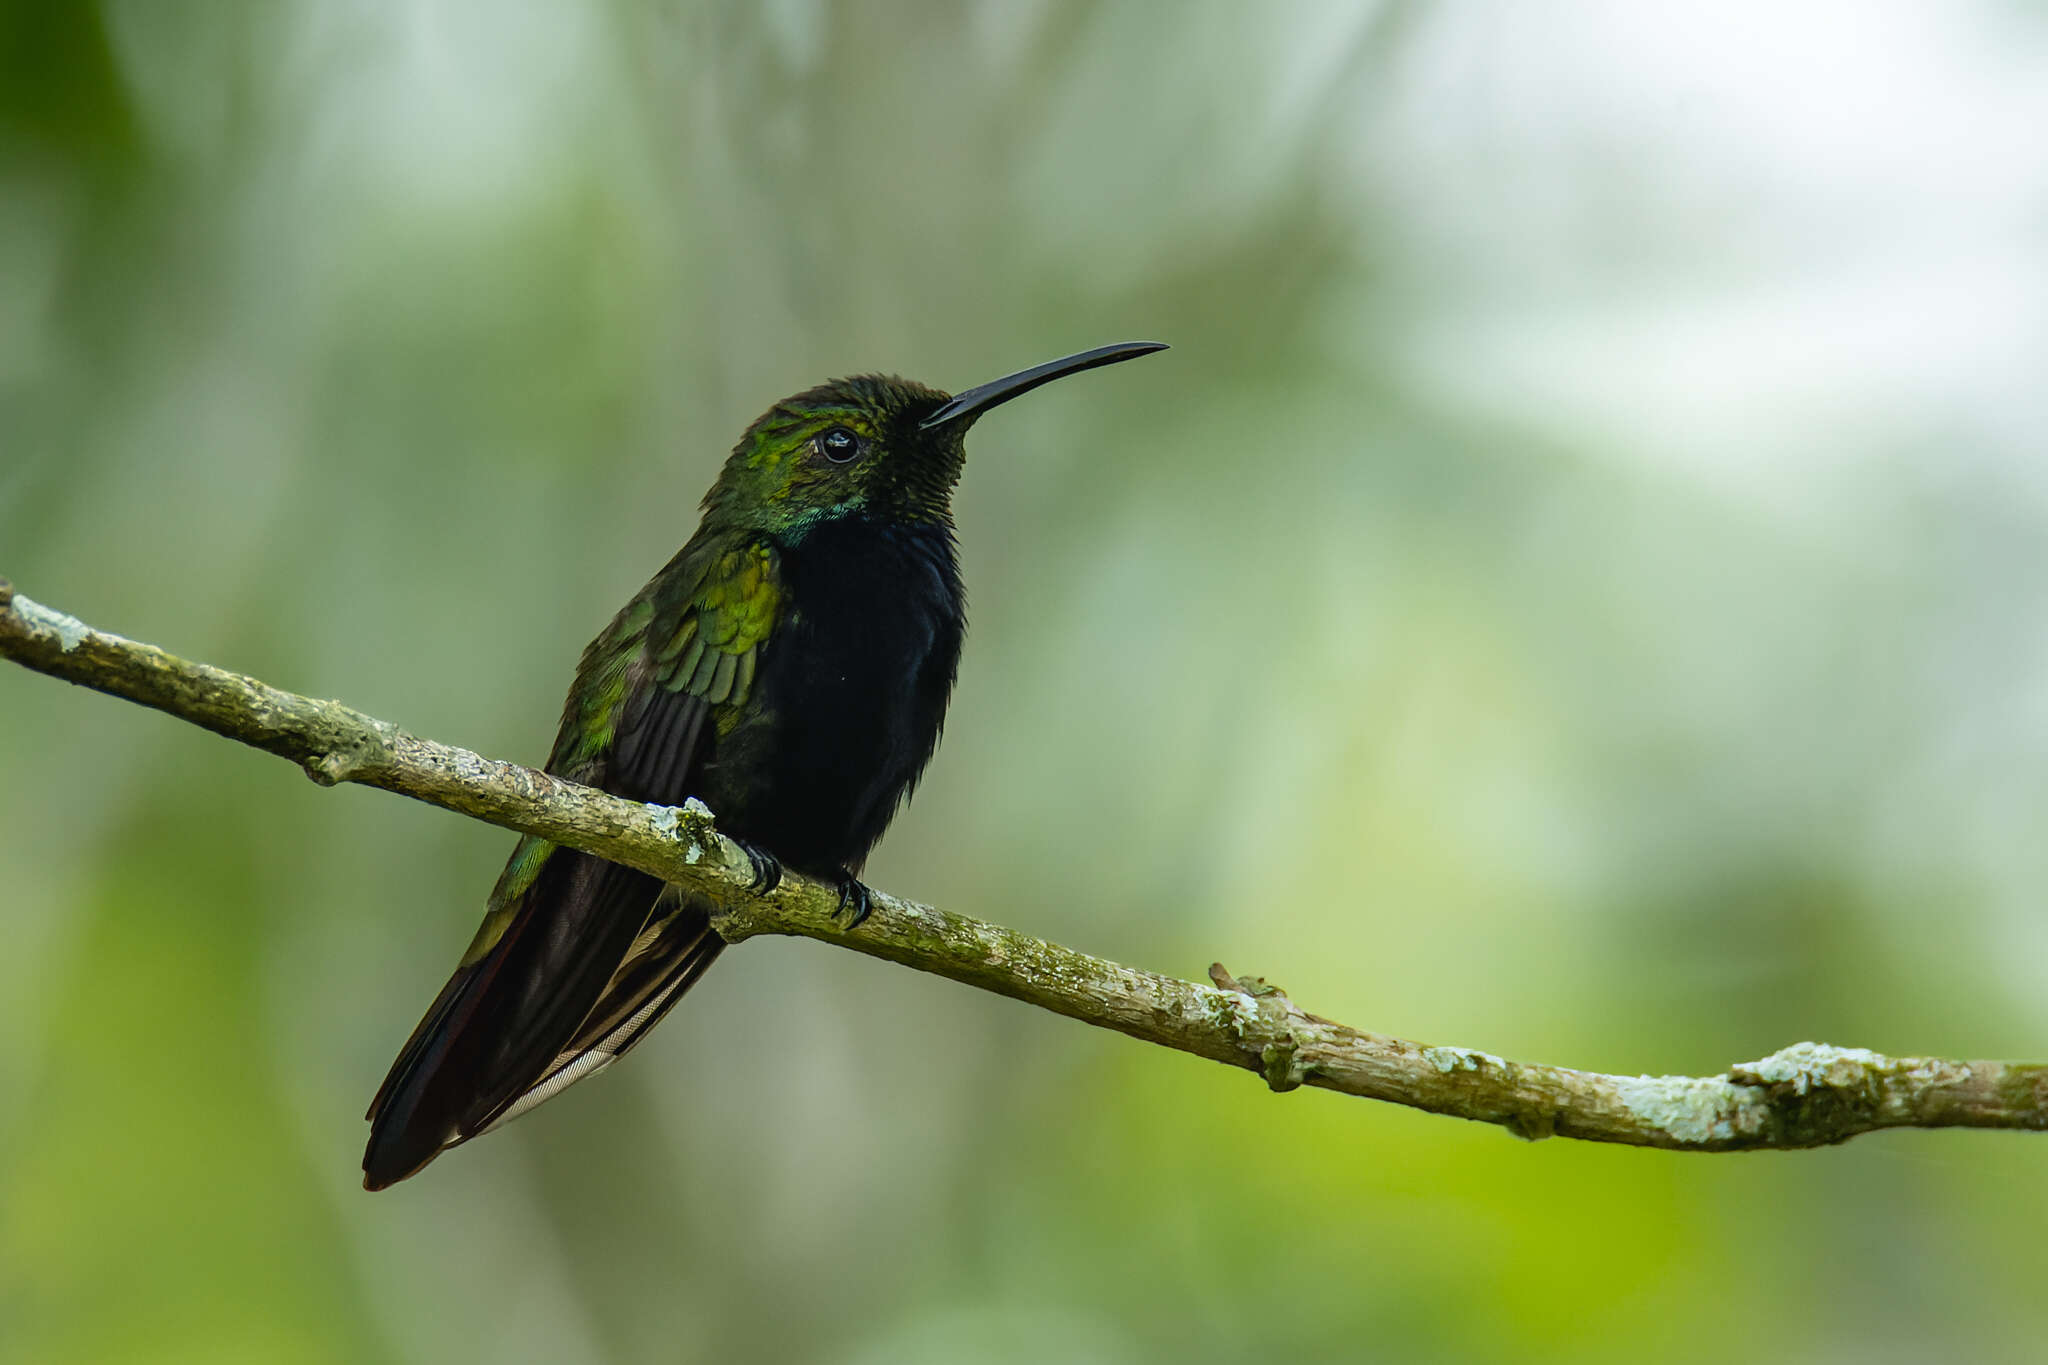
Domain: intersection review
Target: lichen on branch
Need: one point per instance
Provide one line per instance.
(1807, 1095)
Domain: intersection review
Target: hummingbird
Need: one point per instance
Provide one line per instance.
(789, 667)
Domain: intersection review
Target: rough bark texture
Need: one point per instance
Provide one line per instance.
(1807, 1095)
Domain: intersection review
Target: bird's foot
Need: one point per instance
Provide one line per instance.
(767, 868)
(855, 900)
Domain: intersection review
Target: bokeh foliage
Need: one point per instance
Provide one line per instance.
(1574, 589)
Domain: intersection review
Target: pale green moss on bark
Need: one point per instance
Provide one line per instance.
(1693, 1111)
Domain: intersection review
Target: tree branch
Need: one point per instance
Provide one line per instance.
(1807, 1095)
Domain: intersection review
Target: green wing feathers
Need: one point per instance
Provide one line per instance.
(706, 647)
(577, 957)
(715, 641)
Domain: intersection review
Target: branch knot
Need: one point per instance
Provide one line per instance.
(1269, 1021)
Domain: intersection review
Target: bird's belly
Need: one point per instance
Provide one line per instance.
(849, 697)
(848, 719)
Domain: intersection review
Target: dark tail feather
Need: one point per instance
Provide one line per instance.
(668, 962)
(501, 1022)
(670, 956)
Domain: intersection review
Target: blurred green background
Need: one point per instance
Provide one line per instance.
(1578, 587)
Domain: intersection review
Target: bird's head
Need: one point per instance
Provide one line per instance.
(872, 446)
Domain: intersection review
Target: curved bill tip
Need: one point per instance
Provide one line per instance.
(979, 399)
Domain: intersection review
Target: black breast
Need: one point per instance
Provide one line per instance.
(851, 693)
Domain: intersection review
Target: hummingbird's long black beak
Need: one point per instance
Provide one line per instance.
(982, 397)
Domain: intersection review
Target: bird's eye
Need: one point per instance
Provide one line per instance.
(838, 445)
